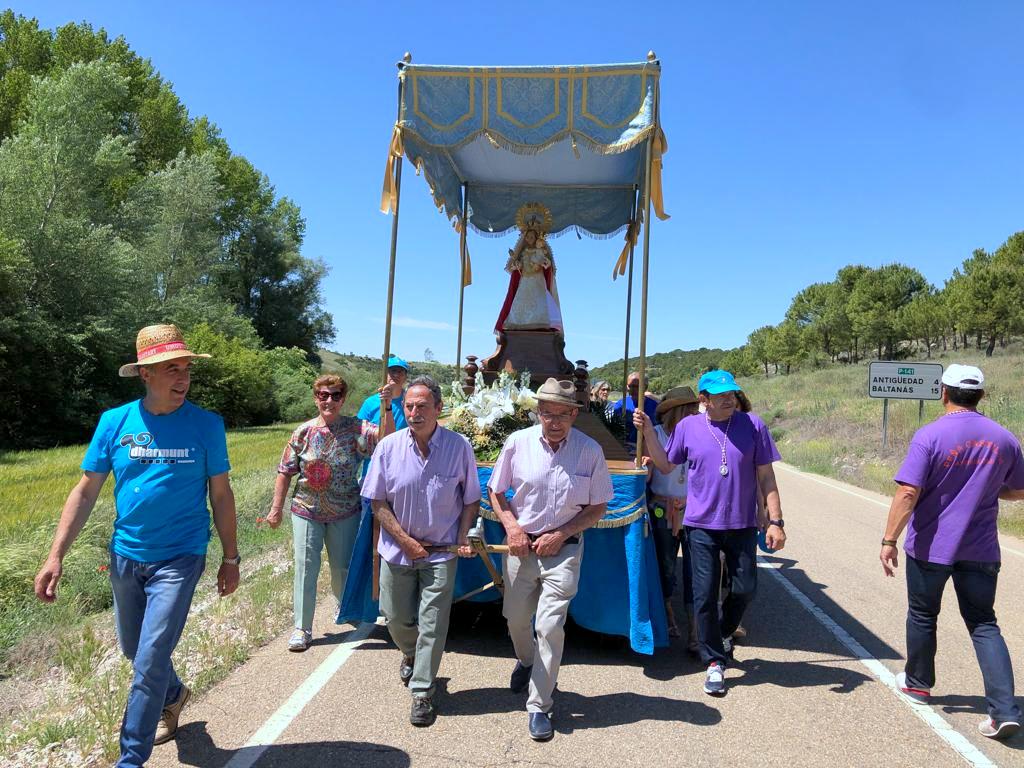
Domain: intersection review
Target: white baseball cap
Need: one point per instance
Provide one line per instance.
(963, 377)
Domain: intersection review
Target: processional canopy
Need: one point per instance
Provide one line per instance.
(571, 137)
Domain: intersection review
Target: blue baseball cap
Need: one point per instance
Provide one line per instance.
(717, 382)
(394, 361)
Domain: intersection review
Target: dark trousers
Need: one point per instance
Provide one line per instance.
(667, 546)
(705, 547)
(975, 585)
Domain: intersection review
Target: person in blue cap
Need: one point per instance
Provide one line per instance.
(729, 454)
(392, 393)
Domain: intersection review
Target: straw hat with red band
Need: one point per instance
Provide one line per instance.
(157, 344)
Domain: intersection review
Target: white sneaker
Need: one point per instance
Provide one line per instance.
(300, 640)
(993, 730)
(714, 682)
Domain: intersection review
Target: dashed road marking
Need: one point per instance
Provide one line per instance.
(932, 719)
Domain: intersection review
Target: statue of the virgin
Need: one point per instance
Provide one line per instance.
(532, 299)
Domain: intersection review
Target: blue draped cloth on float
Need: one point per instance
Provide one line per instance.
(573, 138)
(619, 592)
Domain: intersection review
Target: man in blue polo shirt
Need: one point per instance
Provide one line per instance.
(393, 392)
(629, 404)
(167, 456)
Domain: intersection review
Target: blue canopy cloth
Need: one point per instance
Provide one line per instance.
(619, 591)
(572, 138)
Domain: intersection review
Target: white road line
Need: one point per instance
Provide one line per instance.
(885, 504)
(932, 719)
(269, 732)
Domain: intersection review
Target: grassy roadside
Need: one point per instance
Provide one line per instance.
(824, 422)
(62, 678)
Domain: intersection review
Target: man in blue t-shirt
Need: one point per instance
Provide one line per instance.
(167, 456)
(393, 392)
(629, 403)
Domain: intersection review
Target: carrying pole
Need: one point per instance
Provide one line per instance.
(629, 309)
(462, 275)
(648, 167)
(387, 317)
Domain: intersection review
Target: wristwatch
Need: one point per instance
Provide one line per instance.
(237, 559)
(778, 522)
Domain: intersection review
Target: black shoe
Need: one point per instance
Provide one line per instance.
(520, 678)
(423, 711)
(540, 726)
(405, 670)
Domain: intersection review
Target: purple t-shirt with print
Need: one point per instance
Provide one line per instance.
(961, 461)
(713, 501)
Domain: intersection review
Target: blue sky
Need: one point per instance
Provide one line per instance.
(803, 136)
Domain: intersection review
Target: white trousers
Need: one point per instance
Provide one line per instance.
(540, 587)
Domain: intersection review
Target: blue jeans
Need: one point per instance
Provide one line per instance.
(740, 548)
(975, 586)
(151, 603)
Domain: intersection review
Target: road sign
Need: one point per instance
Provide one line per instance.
(905, 381)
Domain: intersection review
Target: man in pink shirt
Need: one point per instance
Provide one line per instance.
(561, 487)
(425, 492)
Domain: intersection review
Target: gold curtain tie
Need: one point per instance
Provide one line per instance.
(389, 192)
(659, 148)
(467, 276)
(632, 234)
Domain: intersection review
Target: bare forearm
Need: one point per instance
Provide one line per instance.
(654, 449)
(386, 517)
(469, 513)
(900, 510)
(770, 491)
(281, 486)
(225, 521)
(504, 512)
(587, 518)
(73, 516)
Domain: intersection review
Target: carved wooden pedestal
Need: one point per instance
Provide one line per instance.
(542, 353)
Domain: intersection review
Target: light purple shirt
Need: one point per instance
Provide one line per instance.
(713, 501)
(426, 494)
(960, 462)
(551, 487)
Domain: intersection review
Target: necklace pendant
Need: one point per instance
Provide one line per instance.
(723, 470)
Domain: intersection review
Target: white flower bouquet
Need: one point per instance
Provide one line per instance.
(492, 412)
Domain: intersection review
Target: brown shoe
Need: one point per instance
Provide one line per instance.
(168, 725)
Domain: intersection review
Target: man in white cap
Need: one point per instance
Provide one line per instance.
(956, 470)
(561, 488)
(168, 456)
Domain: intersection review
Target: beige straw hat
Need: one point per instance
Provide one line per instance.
(155, 344)
(560, 392)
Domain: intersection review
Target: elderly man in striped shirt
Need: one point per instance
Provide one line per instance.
(561, 487)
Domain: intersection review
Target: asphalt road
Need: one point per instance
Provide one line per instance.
(811, 685)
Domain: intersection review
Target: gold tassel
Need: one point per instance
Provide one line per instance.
(632, 234)
(389, 192)
(659, 148)
(467, 277)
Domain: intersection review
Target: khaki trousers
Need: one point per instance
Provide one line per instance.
(416, 600)
(540, 587)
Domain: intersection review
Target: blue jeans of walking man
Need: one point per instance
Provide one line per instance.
(151, 604)
(975, 585)
(740, 549)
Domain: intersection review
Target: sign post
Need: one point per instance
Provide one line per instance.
(903, 381)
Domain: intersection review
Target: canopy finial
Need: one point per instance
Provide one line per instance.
(652, 56)
(407, 58)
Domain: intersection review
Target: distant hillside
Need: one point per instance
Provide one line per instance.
(681, 367)
(363, 374)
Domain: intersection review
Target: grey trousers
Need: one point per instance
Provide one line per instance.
(308, 540)
(540, 587)
(416, 600)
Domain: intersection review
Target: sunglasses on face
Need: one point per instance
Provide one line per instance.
(323, 396)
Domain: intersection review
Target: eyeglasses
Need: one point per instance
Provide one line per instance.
(323, 396)
(555, 417)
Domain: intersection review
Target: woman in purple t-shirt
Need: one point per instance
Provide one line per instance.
(729, 455)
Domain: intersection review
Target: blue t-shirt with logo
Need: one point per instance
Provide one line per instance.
(370, 410)
(161, 466)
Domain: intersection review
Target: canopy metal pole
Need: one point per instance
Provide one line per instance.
(462, 273)
(642, 368)
(394, 242)
(629, 308)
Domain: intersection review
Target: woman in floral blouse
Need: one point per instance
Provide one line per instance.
(325, 453)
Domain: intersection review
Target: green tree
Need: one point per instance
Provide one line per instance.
(988, 291)
(761, 344)
(924, 319)
(875, 302)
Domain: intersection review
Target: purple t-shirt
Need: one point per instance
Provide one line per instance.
(960, 462)
(713, 501)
